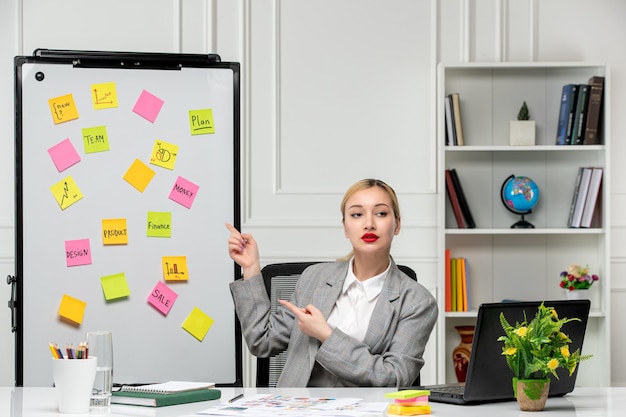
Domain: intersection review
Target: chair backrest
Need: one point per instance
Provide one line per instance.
(280, 282)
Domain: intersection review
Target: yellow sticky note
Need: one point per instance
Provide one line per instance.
(72, 309)
(408, 393)
(197, 323)
(201, 122)
(164, 154)
(401, 410)
(139, 175)
(104, 96)
(114, 232)
(63, 109)
(175, 268)
(114, 286)
(95, 139)
(66, 192)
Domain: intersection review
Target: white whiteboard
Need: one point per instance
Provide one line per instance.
(149, 346)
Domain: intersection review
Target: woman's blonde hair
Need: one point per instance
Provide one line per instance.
(363, 185)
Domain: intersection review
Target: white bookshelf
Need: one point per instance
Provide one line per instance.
(522, 264)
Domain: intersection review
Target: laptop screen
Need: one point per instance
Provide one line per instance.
(488, 375)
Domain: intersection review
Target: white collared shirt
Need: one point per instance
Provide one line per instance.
(355, 305)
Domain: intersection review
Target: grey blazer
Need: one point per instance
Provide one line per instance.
(390, 354)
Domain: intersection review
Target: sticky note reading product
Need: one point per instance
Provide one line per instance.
(66, 192)
(63, 109)
(104, 96)
(164, 154)
(114, 232)
(162, 298)
(197, 323)
(64, 155)
(77, 252)
(72, 309)
(114, 286)
(95, 139)
(159, 224)
(175, 268)
(139, 175)
(148, 106)
(184, 192)
(201, 122)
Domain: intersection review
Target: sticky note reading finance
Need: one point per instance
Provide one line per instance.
(148, 106)
(159, 224)
(201, 122)
(139, 175)
(184, 192)
(164, 154)
(95, 139)
(175, 268)
(114, 232)
(114, 286)
(66, 192)
(162, 298)
(63, 109)
(64, 155)
(104, 96)
(72, 309)
(77, 252)
(197, 323)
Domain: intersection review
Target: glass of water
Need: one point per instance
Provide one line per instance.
(100, 344)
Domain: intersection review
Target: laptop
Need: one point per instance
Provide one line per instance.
(489, 378)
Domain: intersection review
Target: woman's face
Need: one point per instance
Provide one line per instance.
(369, 221)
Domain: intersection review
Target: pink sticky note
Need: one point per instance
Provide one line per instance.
(162, 298)
(148, 106)
(64, 155)
(77, 252)
(184, 192)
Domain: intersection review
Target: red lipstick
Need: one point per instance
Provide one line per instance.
(369, 237)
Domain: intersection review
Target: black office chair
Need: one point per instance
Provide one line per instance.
(280, 282)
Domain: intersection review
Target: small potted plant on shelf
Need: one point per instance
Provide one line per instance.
(535, 350)
(522, 130)
(576, 281)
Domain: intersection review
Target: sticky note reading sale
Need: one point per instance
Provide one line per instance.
(201, 122)
(77, 252)
(114, 232)
(197, 323)
(114, 286)
(64, 155)
(139, 175)
(104, 96)
(184, 192)
(63, 109)
(148, 106)
(175, 268)
(162, 298)
(72, 309)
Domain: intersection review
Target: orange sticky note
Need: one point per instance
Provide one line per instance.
(63, 109)
(197, 323)
(114, 232)
(104, 96)
(139, 175)
(175, 268)
(114, 286)
(72, 309)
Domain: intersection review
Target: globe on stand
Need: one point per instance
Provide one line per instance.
(520, 195)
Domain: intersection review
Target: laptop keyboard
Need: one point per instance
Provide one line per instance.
(452, 389)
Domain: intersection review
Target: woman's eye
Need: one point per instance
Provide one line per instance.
(381, 213)
(356, 215)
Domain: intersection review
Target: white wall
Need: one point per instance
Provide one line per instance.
(333, 91)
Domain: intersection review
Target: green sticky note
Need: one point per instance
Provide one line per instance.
(95, 139)
(159, 224)
(408, 393)
(201, 122)
(114, 286)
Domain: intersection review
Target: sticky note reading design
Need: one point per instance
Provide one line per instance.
(114, 232)
(114, 286)
(95, 139)
(63, 109)
(184, 192)
(175, 268)
(139, 175)
(148, 106)
(201, 122)
(77, 252)
(64, 155)
(159, 224)
(66, 192)
(104, 96)
(72, 309)
(162, 298)
(164, 154)
(197, 323)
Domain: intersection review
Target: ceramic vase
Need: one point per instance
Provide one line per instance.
(531, 394)
(577, 294)
(461, 353)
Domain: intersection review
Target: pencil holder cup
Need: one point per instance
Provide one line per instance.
(73, 380)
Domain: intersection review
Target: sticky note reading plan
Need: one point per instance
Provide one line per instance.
(64, 155)
(162, 298)
(77, 252)
(201, 122)
(184, 192)
(63, 109)
(72, 309)
(148, 106)
(197, 323)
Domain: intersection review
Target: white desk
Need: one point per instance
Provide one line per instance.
(587, 402)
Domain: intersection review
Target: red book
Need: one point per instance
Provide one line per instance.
(454, 200)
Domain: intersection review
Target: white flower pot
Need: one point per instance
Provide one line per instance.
(577, 294)
(522, 132)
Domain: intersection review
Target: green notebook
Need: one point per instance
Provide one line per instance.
(160, 400)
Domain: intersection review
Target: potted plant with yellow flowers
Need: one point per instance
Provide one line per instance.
(534, 350)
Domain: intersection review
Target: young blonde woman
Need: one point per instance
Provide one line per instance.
(355, 322)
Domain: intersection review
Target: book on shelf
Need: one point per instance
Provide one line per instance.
(148, 399)
(578, 131)
(449, 116)
(457, 299)
(580, 195)
(453, 287)
(569, 95)
(591, 201)
(465, 209)
(447, 282)
(458, 125)
(594, 111)
(454, 200)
